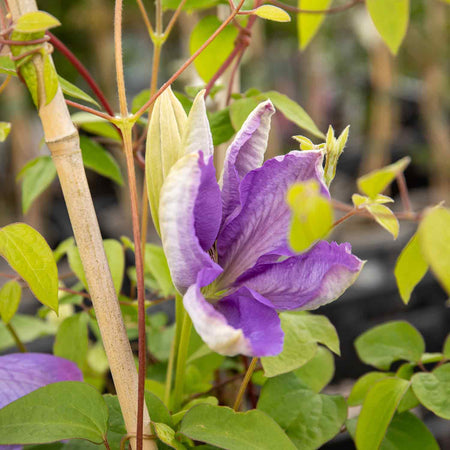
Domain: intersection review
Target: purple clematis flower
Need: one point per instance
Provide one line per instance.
(226, 242)
(22, 373)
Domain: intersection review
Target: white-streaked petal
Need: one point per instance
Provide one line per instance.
(197, 135)
(245, 153)
(213, 327)
(188, 192)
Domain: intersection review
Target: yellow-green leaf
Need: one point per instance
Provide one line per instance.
(73, 91)
(29, 255)
(377, 412)
(390, 18)
(312, 215)
(377, 181)
(5, 128)
(410, 268)
(434, 237)
(215, 54)
(9, 300)
(271, 12)
(385, 217)
(308, 24)
(33, 22)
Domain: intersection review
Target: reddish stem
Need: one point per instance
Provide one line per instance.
(89, 110)
(81, 69)
(145, 107)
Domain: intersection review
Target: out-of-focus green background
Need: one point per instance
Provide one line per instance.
(395, 106)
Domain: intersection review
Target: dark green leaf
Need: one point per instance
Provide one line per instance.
(73, 91)
(96, 158)
(221, 128)
(65, 410)
(221, 426)
(318, 371)
(389, 342)
(309, 419)
(36, 176)
(71, 340)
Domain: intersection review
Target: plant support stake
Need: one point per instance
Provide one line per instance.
(63, 141)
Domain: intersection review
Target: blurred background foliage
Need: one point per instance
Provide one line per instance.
(396, 106)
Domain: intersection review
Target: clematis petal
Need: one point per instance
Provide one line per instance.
(239, 324)
(253, 314)
(197, 135)
(260, 224)
(245, 153)
(22, 373)
(189, 215)
(306, 281)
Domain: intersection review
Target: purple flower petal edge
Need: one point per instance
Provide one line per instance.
(22, 373)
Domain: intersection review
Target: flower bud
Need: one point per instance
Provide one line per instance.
(163, 149)
(171, 135)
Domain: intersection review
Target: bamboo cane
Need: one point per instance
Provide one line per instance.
(63, 141)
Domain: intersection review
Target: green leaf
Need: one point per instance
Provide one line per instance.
(63, 248)
(7, 66)
(96, 158)
(363, 385)
(33, 22)
(95, 125)
(221, 426)
(5, 128)
(446, 349)
(309, 419)
(405, 432)
(271, 12)
(377, 181)
(434, 237)
(385, 217)
(167, 435)
(75, 92)
(309, 24)
(71, 340)
(177, 417)
(36, 176)
(411, 267)
(294, 112)
(139, 100)
(64, 410)
(116, 260)
(312, 215)
(390, 18)
(9, 300)
(50, 80)
(221, 127)
(318, 371)
(156, 265)
(240, 109)
(389, 342)
(209, 61)
(408, 432)
(302, 333)
(28, 328)
(30, 256)
(433, 390)
(377, 412)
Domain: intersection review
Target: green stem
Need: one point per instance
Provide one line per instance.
(181, 362)
(244, 384)
(16, 338)
(179, 316)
